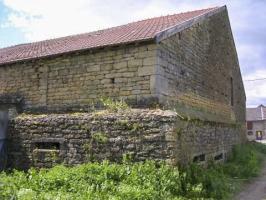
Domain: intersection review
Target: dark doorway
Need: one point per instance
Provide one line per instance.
(3, 139)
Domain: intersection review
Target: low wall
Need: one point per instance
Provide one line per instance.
(43, 140)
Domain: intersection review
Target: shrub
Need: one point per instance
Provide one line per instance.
(245, 160)
(134, 181)
(94, 181)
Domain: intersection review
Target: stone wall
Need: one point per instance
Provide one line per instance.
(76, 80)
(195, 67)
(194, 72)
(42, 140)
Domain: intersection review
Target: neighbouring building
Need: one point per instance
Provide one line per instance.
(186, 63)
(256, 123)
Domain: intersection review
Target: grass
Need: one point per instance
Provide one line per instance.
(135, 181)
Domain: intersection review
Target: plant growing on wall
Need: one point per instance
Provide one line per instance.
(114, 105)
(126, 125)
(48, 156)
(97, 140)
(99, 137)
(87, 147)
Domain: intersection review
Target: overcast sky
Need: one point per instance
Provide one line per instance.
(31, 20)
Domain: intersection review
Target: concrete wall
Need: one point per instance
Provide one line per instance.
(76, 80)
(195, 67)
(43, 140)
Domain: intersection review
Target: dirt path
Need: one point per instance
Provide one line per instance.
(256, 189)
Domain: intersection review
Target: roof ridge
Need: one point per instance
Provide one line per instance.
(173, 14)
(183, 22)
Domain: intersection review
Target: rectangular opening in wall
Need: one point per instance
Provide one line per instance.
(179, 35)
(232, 91)
(199, 158)
(250, 133)
(259, 135)
(249, 125)
(219, 156)
(48, 145)
(112, 80)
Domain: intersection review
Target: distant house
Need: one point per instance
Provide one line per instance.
(256, 122)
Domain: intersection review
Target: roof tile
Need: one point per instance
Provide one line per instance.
(256, 114)
(135, 31)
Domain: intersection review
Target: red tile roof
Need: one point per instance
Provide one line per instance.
(135, 31)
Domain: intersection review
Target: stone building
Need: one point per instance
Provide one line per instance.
(256, 123)
(186, 63)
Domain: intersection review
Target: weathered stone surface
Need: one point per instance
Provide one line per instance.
(70, 82)
(194, 72)
(146, 70)
(190, 71)
(196, 67)
(42, 140)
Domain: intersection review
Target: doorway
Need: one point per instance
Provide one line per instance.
(259, 135)
(3, 138)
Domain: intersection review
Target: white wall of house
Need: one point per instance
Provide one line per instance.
(257, 126)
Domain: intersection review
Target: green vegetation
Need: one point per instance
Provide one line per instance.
(126, 125)
(114, 105)
(135, 181)
(99, 137)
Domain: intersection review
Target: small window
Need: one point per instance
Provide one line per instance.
(250, 133)
(232, 91)
(249, 125)
(199, 158)
(112, 80)
(219, 156)
(179, 36)
(48, 145)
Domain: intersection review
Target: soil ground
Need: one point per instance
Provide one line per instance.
(255, 189)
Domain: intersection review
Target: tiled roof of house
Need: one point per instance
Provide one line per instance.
(255, 114)
(135, 31)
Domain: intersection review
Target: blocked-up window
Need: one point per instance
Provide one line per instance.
(47, 152)
(249, 125)
(199, 158)
(48, 145)
(219, 156)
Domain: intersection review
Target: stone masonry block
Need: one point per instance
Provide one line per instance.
(93, 68)
(146, 70)
(120, 65)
